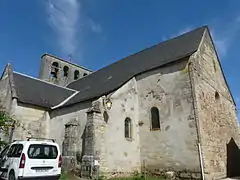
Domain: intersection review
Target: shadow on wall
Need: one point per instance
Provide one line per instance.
(67, 144)
(233, 159)
(83, 144)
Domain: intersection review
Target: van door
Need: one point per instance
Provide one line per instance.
(13, 158)
(42, 160)
(3, 157)
(8, 158)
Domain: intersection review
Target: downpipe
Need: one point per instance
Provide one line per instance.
(11, 133)
(201, 160)
(198, 136)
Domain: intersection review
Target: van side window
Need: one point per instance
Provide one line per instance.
(15, 150)
(4, 151)
(11, 150)
(18, 150)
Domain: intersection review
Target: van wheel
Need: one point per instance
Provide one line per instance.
(11, 176)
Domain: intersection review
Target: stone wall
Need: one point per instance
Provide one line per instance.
(5, 99)
(215, 110)
(33, 121)
(75, 114)
(120, 154)
(5, 90)
(174, 146)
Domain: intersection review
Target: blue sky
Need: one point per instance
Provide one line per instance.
(97, 33)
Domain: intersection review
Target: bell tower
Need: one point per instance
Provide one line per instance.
(59, 71)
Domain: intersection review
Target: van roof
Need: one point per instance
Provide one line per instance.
(24, 142)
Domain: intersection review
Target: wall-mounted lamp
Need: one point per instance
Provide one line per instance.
(108, 104)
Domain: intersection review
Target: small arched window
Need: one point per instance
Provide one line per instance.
(105, 116)
(217, 96)
(214, 66)
(127, 128)
(54, 69)
(65, 71)
(84, 74)
(55, 64)
(155, 120)
(76, 75)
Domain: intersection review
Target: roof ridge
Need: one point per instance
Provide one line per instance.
(162, 42)
(143, 50)
(44, 81)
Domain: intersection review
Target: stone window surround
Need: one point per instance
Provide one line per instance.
(128, 124)
(157, 116)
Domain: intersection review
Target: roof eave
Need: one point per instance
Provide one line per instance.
(36, 105)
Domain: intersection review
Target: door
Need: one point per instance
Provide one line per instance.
(3, 157)
(42, 160)
(12, 159)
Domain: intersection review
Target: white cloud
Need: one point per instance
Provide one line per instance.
(69, 23)
(95, 27)
(63, 18)
(238, 19)
(183, 31)
(223, 36)
(221, 42)
(221, 46)
(237, 99)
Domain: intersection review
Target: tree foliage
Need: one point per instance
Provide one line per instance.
(6, 122)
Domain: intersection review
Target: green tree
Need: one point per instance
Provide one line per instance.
(6, 122)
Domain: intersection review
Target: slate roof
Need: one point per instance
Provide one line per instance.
(37, 92)
(115, 75)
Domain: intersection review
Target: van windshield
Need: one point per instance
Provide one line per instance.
(42, 151)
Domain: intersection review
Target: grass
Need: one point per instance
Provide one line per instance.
(137, 178)
(63, 176)
(68, 176)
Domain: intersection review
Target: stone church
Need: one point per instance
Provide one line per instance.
(167, 108)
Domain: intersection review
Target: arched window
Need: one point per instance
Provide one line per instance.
(217, 96)
(155, 121)
(65, 71)
(127, 128)
(54, 69)
(76, 75)
(214, 66)
(84, 74)
(105, 116)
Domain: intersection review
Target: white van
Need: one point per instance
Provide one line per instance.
(31, 159)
